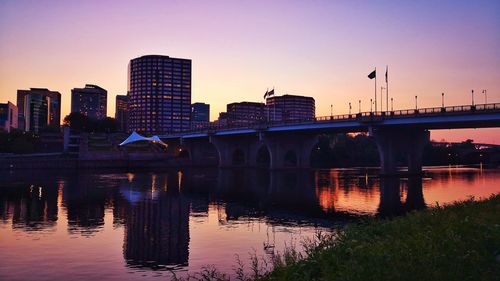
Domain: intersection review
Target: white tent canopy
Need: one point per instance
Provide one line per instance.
(136, 137)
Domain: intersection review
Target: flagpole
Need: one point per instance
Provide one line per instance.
(375, 89)
(386, 88)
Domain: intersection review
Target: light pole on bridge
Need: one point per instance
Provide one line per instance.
(392, 108)
(442, 99)
(331, 110)
(350, 108)
(416, 102)
(472, 94)
(485, 97)
(359, 106)
(371, 105)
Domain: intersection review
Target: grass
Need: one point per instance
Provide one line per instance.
(455, 242)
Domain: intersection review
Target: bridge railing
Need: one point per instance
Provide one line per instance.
(360, 117)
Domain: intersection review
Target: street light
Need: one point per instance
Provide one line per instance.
(442, 99)
(350, 108)
(392, 108)
(416, 103)
(485, 98)
(382, 98)
(371, 105)
(472, 97)
(359, 106)
(331, 110)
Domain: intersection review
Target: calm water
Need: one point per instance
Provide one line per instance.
(140, 226)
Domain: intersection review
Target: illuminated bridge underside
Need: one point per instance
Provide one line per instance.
(400, 132)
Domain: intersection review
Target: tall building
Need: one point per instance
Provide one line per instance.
(290, 107)
(121, 114)
(91, 101)
(200, 115)
(38, 108)
(8, 116)
(159, 94)
(243, 113)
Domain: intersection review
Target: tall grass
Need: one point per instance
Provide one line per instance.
(455, 242)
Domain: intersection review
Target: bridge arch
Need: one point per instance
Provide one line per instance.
(263, 156)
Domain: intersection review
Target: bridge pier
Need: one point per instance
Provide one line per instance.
(290, 150)
(399, 141)
(237, 151)
(201, 152)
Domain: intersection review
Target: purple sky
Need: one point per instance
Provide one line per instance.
(323, 49)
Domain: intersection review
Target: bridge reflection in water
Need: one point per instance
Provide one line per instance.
(159, 213)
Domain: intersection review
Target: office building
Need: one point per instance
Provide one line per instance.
(290, 108)
(200, 115)
(90, 101)
(243, 113)
(121, 114)
(159, 94)
(38, 108)
(8, 116)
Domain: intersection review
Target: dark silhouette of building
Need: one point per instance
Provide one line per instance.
(91, 101)
(121, 113)
(200, 115)
(159, 94)
(8, 116)
(38, 108)
(156, 222)
(290, 107)
(242, 113)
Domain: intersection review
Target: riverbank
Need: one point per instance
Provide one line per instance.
(103, 160)
(456, 242)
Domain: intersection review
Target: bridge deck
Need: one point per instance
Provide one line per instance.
(465, 116)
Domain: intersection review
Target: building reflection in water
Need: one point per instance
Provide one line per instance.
(31, 207)
(156, 221)
(85, 198)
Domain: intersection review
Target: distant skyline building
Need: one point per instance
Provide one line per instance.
(159, 94)
(91, 101)
(241, 113)
(38, 108)
(121, 114)
(200, 114)
(290, 107)
(8, 116)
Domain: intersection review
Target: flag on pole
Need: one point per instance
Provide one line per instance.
(270, 93)
(266, 94)
(373, 74)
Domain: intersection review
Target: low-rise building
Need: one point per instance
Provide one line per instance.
(8, 116)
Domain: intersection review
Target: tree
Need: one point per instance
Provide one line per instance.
(77, 122)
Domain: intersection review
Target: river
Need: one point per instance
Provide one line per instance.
(109, 225)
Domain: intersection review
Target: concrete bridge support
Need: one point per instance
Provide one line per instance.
(201, 152)
(290, 150)
(237, 151)
(394, 142)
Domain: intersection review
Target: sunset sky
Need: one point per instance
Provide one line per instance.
(323, 49)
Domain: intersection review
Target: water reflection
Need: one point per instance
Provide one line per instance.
(158, 215)
(156, 222)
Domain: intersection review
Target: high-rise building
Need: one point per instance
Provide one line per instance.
(121, 113)
(159, 94)
(290, 107)
(91, 101)
(200, 115)
(8, 116)
(38, 108)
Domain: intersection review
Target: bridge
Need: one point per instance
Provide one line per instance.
(290, 143)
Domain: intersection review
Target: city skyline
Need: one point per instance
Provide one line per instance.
(323, 51)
